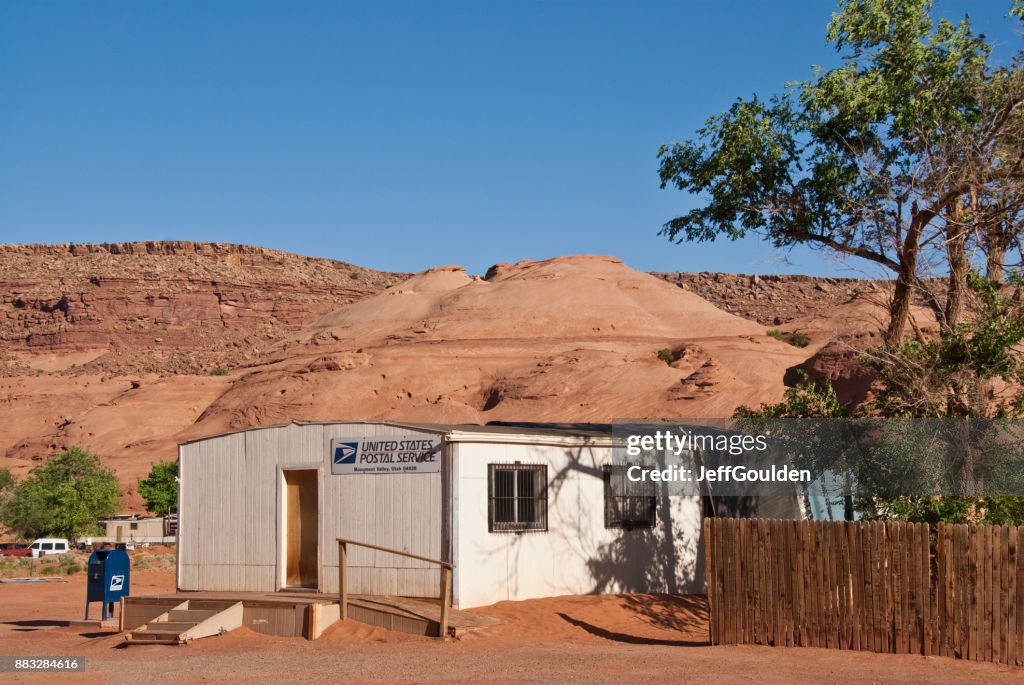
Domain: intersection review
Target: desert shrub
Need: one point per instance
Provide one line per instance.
(154, 562)
(219, 371)
(799, 340)
(69, 564)
(774, 333)
(666, 355)
(18, 567)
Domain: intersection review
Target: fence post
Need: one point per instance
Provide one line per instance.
(342, 580)
(446, 600)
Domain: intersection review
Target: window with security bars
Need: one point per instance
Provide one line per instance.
(517, 497)
(627, 503)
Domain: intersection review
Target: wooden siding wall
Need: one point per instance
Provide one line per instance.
(229, 524)
(403, 511)
(879, 587)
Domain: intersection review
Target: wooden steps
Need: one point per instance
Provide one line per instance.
(291, 614)
(186, 622)
(412, 615)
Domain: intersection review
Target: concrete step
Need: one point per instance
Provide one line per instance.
(190, 615)
(170, 626)
(143, 635)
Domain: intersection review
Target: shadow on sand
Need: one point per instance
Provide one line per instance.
(631, 639)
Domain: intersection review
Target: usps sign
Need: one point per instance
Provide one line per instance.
(391, 454)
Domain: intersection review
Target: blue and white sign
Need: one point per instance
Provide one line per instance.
(390, 454)
(116, 583)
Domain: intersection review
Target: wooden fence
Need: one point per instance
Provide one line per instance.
(882, 587)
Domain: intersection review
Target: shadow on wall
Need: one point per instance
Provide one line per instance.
(650, 559)
(665, 559)
(668, 558)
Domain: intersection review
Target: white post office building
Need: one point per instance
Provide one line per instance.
(522, 511)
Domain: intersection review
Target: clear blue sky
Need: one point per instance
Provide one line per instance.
(395, 135)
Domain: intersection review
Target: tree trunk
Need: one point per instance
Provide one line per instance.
(956, 251)
(899, 311)
(902, 297)
(996, 244)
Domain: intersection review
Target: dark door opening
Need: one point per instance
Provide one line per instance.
(301, 530)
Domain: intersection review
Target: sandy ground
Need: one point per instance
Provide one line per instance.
(617, 639)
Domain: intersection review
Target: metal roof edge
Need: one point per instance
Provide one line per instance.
(509, 434)
(527, 438)
(428, 427)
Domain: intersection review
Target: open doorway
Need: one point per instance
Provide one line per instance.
(301, 532)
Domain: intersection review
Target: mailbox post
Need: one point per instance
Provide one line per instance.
(109, 579)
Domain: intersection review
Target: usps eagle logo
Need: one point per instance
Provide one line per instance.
(345, 452)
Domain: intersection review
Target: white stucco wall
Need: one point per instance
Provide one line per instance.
(577, 554)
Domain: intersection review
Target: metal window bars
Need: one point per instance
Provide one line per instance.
(627, 503)
(517, 497)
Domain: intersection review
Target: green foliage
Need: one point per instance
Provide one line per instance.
(6, 480)
(899, 156)
(807, 399)
(799, 339)
(70, 564)
(949, 375)
(219, 371)
(7, 486)
(63, 498)
(996, 511)
(893, 455)
(160, 488)
(666, 355)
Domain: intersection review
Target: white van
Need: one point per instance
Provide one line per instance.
(44, 546)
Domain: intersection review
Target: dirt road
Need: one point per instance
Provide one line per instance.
(619, 639)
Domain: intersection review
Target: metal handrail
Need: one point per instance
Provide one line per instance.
(446, 578)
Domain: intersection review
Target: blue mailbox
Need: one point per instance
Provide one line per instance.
(109, 579)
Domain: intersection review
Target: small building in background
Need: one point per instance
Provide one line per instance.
(130, 530)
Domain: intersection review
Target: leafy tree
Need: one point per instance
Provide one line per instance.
(956, 374)
(934, 510)
(886, 459)
(910, 155)
(66, 497)
(160, 488)
(7, 484)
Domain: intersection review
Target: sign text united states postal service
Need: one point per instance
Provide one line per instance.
(390, 454)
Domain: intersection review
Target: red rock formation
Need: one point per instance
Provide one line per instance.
(166, 307)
